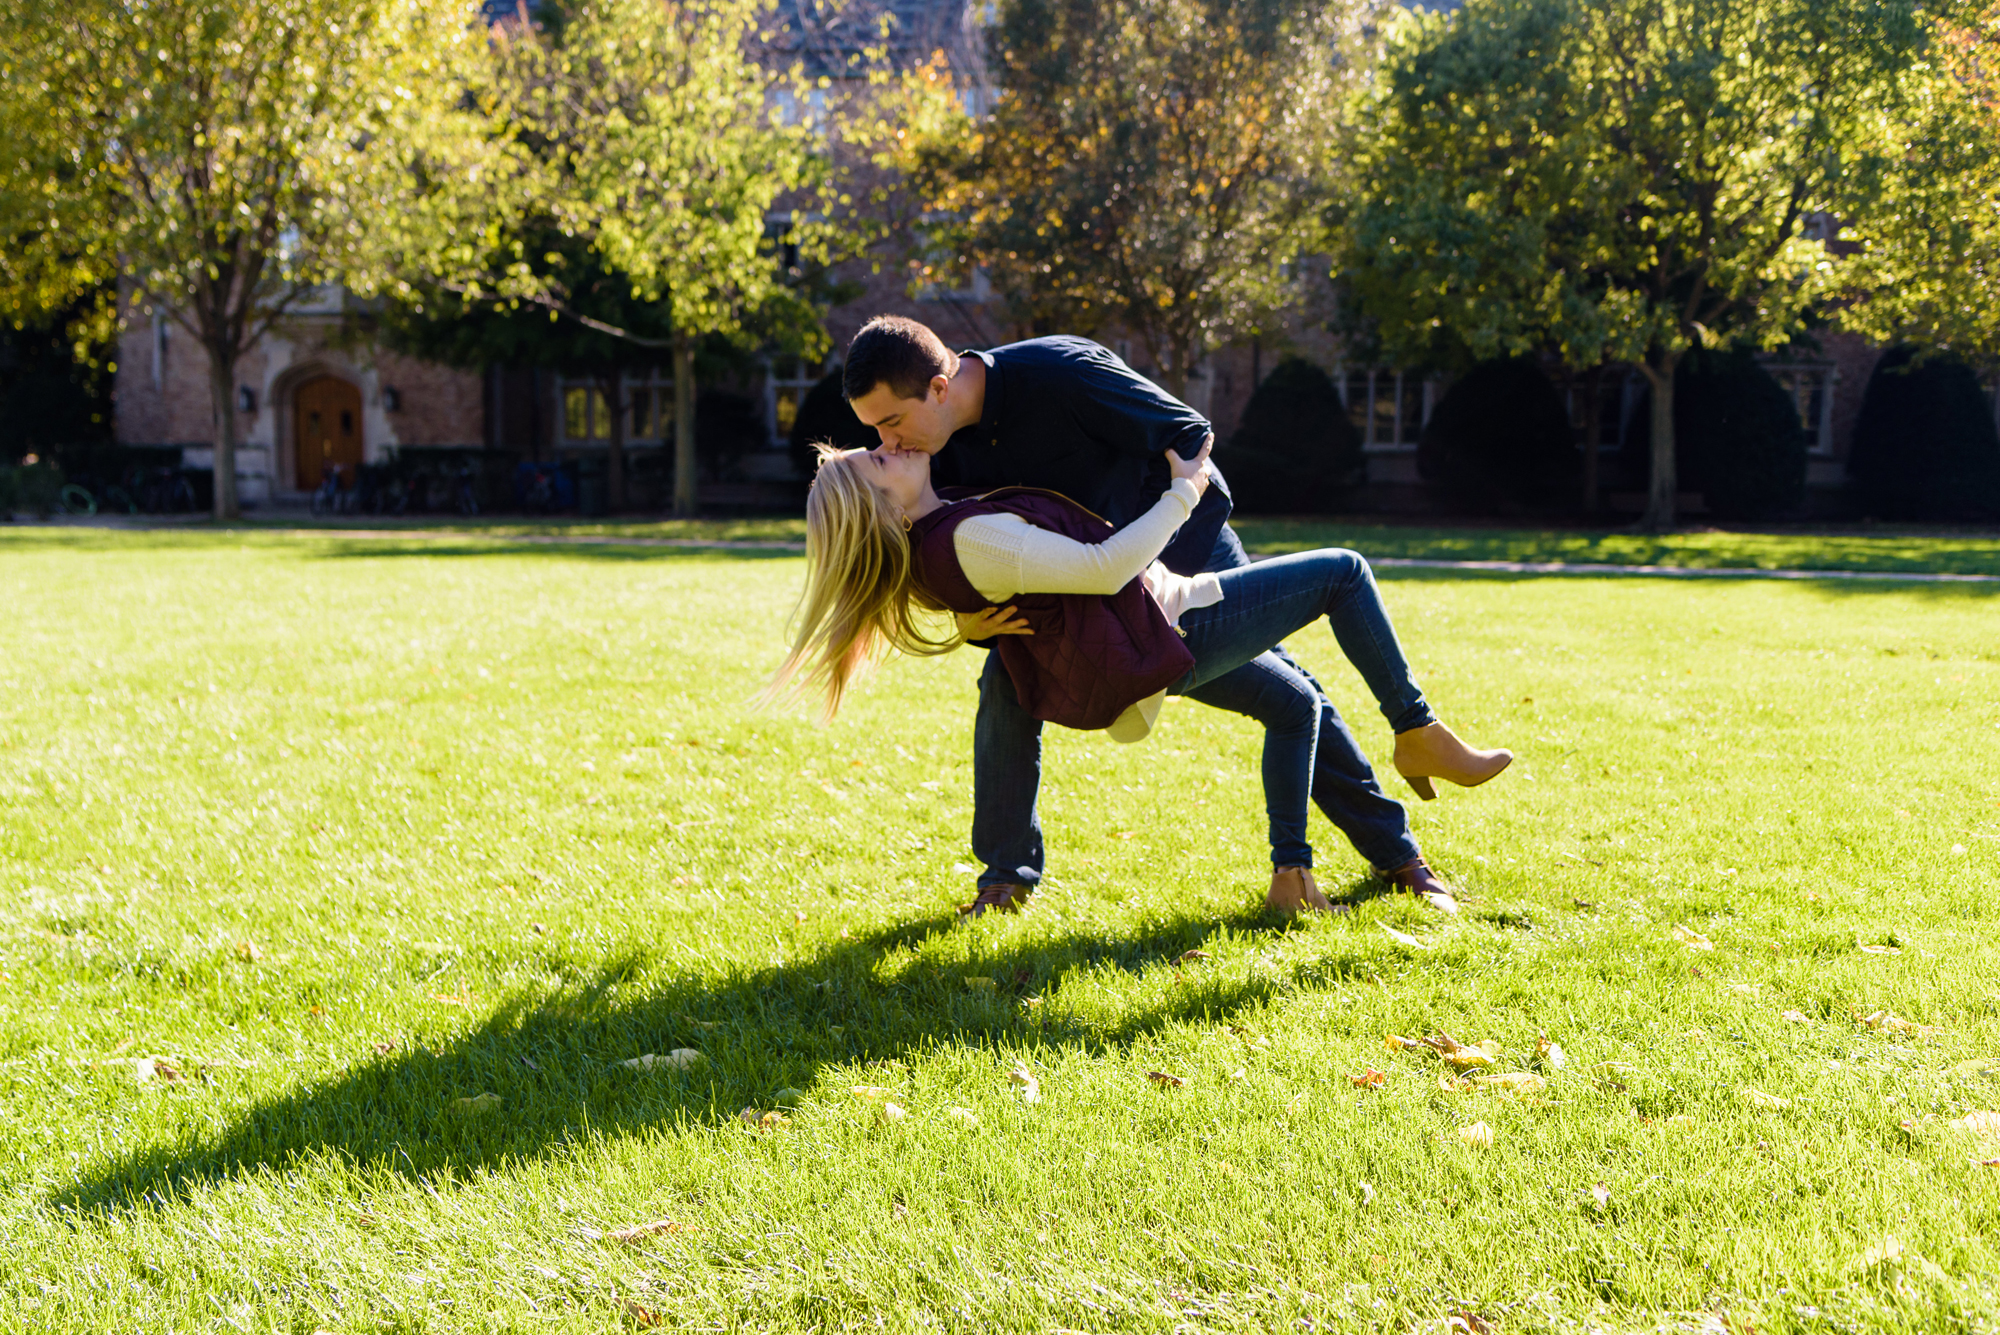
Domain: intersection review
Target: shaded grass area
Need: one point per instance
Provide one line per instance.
(348, 832)
(1939, 551)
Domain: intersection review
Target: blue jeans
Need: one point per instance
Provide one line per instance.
(1270, 688)
(1261, 605)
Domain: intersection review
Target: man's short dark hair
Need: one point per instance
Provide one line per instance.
(898, 352)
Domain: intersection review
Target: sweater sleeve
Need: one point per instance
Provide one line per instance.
(1004, 555)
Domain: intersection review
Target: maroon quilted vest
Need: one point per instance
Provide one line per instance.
(1092, 656)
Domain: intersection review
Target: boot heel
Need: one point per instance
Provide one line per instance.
(1422, 784)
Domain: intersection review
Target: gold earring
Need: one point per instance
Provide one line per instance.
(907, 525)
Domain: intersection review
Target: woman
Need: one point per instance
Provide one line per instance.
(1110, 631)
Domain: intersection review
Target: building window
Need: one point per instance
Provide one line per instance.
(1811, 388)
(1387, 407)
(787, 381)
(649, 400)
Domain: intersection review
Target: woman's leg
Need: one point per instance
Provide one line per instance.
(1265, 602)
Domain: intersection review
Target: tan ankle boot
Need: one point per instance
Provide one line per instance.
(1434, 752)
(1293, 891)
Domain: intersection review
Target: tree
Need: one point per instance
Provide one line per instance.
(223, 158)
(582, 320)
(1925, 446)
(1624, 180)
(1296, 450)
(1150, 163)
(668, 148)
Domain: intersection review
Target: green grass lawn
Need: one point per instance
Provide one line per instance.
(1949, 551)
(381, 856)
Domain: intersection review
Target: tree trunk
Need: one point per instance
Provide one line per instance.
(221, 389)
(1593, 431)
(687, 493)
(613, 387)
(1665, 486)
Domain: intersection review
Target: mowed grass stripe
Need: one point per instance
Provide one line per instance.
(349, 832)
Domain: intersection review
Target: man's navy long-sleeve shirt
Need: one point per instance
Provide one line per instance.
(1066, 415)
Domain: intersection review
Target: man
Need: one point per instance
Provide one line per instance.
(1066, 415)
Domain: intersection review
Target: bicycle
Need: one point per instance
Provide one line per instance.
(328, 499)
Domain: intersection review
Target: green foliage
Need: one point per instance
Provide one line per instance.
(349, 829)
(1925, 446)
(1296, 451)
(1150, 164)
(1500, 441)
(54, 394)
(1737, 437)
(1624, 180)
(225, 158)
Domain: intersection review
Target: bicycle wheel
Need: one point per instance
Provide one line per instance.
(180, 497)
(115, 500)
(76, 501)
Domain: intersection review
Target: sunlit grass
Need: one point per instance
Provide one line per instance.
(347, 830)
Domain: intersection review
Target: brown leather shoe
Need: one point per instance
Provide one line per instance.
(1294, 891)
(997, 899)
(1417, 877)
(1434, 752)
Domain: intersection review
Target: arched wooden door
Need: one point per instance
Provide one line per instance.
(328, 415)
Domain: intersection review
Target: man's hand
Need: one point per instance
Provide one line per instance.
(1195, 469)
(984, 625)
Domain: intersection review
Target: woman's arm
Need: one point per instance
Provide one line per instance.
(1004, 555)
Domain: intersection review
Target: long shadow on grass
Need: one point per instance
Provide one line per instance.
(554, 1061)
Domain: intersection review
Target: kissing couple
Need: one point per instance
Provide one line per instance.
(1064, 510)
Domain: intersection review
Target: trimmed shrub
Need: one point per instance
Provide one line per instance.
(1500, 440)
(1295, 452)
(1925, 446)
(825, 416)
(1737, 437)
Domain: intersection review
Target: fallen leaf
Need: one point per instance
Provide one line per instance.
(1757, 1098)
(1369, 1079)
(1796, 1017)
(1166, 1081)
(872, 1092)
(1367, 1194)
(1190, 956)
(788, 1097)
(1985, 1124)
(1747, 989)
(1692, 939)
(641, 1316)
(1550, 1053)
(163, 1069)
(249, 950)
(1239, 1074)
(1397, 1043)
(1402, 938)
(1469, 1322)
(891, 1112)
(1889, 1023)
(1463, 1055)
(1025, 1084)
(478, 1103)
(384, 1048)
(1478, 1135)
(1872, 949)
(965, 1115)
(761, 1121)
(1514, 1082)
(977, 983)
(678, 1059)
(1602, 1195)
(1977, 1066)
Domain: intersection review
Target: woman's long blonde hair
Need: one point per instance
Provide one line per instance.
(861, 598)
